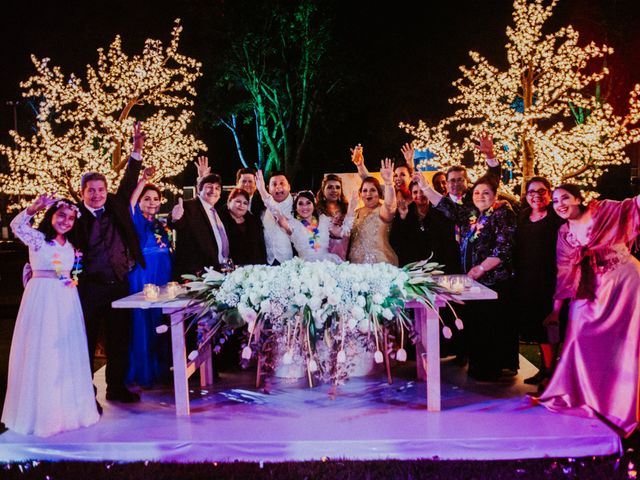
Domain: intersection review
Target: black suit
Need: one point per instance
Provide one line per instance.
(104, 278)
(196, 245)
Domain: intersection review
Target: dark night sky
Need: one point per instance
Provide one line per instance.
(403, 56)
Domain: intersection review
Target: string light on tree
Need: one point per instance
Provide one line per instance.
(540, 110)
(85, 124)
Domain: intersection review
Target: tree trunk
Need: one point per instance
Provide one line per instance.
(528, 153)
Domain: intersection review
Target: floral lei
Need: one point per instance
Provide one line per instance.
(476, 225)
(77, 268)
(160, 232)
(314, 232)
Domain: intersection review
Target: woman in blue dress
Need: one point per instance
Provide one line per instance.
(149, 353)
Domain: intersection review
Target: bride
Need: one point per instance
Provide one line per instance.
(309, 231)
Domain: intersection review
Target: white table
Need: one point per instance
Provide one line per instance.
(426, 320)
(178, 310)
(427, 325)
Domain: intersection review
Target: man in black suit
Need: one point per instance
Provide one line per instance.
(108, 239)
(201, 240)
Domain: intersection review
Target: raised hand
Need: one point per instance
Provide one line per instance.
(260, 185)
(177, 211)
(386, 170)
(485, 145)
(420, 180)
(41, 202)
(202, 165)
(357, 156)
(138, 137)
(407, 153)
(148, 173)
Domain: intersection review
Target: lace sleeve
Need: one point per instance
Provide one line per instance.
(25, 232)
(347, 225)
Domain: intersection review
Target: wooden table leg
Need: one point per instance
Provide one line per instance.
(180, 379)
(428, 327)
(206, 367)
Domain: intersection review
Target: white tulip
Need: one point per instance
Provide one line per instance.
(447, 333)
(246, 353)
(377, 357)
(459, 324)
(401, 355)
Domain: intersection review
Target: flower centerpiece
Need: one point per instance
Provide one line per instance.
(318, 315)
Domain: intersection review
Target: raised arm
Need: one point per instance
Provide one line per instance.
(357, 158)
(341, 231)
(433, 196)
(130, 177)
(147, 174)
(21, 225)
(388, 210)
(408, 154)
(203, 168)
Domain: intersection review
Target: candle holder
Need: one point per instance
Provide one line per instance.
(173, 289)
(151, 291)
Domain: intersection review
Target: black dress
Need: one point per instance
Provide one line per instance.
(490, 327)
(416, 238)
(535, 267)
(246, 240)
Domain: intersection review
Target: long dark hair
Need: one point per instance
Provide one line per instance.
(574, 191)
(321, 201)
(46, 225)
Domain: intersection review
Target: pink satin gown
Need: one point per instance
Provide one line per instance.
(598, 372)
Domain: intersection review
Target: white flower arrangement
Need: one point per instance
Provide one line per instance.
(302, 303)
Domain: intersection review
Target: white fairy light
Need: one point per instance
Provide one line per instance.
(85, 125)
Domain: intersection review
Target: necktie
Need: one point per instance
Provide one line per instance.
(224, 247)
(98, 213)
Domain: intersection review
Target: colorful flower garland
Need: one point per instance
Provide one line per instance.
(77, 268)
(314, 232)
(162, 231)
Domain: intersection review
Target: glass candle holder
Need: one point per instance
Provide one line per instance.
(173, 289)
(151, 291)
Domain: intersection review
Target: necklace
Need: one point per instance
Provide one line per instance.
(314, 233)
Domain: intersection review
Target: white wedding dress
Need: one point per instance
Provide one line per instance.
(49, 386)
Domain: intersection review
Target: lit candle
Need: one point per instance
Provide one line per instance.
(151, 291)
(173, 289)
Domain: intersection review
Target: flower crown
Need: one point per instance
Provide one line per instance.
(63, 203)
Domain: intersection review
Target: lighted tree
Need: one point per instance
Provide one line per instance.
(273, 79)
(544, 109)
(85, 125)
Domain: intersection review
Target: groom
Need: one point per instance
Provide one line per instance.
(108, 240)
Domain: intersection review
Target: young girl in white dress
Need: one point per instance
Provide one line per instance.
(49, 386)
(309, 231)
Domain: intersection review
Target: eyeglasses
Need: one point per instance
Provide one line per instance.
(540, 192)
(456, 180)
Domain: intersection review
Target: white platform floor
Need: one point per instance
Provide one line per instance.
(368, 419)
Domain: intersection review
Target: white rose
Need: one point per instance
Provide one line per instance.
(361, 301)
(378, 298)
(352, 323)
(387, 314)
(357, 312)
(315, 303)
(364, 325)
(300, 300)
(265, 306)
(333, 299)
